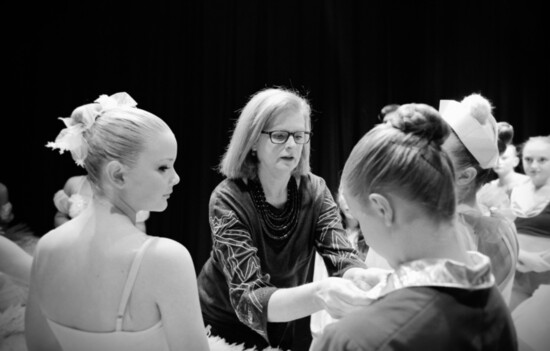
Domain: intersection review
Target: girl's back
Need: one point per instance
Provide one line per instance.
(82, 269)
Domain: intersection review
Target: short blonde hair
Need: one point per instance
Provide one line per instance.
(238, 162)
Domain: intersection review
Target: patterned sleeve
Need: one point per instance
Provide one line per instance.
(249, 287)
(331, 242)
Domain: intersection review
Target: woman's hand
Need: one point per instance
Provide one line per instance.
(368, 278)
(533, 261)
(340, 296)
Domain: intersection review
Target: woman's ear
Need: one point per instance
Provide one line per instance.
(466, 176)
(115, 172)
(382, 207)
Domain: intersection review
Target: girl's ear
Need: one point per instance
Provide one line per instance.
(382, 207)
(115, 173)
(466, 176)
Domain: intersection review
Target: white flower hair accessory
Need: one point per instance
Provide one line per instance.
(72, 139)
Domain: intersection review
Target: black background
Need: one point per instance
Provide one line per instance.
(196, 63)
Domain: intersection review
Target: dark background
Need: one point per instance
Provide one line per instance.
(195, 64)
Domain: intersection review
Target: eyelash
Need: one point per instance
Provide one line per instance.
(163, 168)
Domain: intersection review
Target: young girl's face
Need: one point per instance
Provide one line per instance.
(507, 161)
(536, 161)
(151, 180)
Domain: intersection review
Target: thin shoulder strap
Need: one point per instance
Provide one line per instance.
(130, 283)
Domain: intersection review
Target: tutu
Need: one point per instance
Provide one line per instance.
(217, 343)
(12, 315)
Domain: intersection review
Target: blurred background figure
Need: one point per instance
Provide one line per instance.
(15, 271)
(495, 195)
(532, 319)
(75, 196)
(6, 212)
(530, 202)
(473, 147)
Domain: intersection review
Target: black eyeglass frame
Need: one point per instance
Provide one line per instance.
(288, 134)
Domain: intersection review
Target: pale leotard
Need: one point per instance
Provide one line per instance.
(152, 338)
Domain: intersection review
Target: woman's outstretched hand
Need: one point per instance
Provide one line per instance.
(368, 278)
(340, 296)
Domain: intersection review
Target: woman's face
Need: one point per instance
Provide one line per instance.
(151, 180)
(507, 161)
(281, 159)
(536, 161)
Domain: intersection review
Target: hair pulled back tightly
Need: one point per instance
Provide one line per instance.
(404, 156)
(421, 121)
(72, 138)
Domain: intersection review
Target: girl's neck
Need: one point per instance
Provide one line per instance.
(117, 209)
(506, 180)
(541, 186)
(429, 240)
(469, 200)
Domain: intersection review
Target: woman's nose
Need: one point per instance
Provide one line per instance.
(289, 142)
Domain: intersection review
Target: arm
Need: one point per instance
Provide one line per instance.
(337, 296)
(232, 246)
(533, 261)
(15, 262)
(38, 335)
(176, 293)
(254, 299)
(331, 241)
(253, 295)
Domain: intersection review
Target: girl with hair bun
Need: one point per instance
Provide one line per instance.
(399, 184)
(97, 281)
(473, 147)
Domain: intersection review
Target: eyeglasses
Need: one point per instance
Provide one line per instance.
(281, 136)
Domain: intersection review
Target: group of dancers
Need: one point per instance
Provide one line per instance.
(419, 250)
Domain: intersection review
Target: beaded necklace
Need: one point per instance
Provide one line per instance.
(278, 223)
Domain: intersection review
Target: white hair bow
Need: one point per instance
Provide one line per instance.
(71, 138)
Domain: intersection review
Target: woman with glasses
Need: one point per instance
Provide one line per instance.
(268, 218)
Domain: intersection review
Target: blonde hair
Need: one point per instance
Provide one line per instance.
(119, 134)
(111, 128)
(238, 160)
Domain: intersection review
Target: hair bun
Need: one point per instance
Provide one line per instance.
(420, 120)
